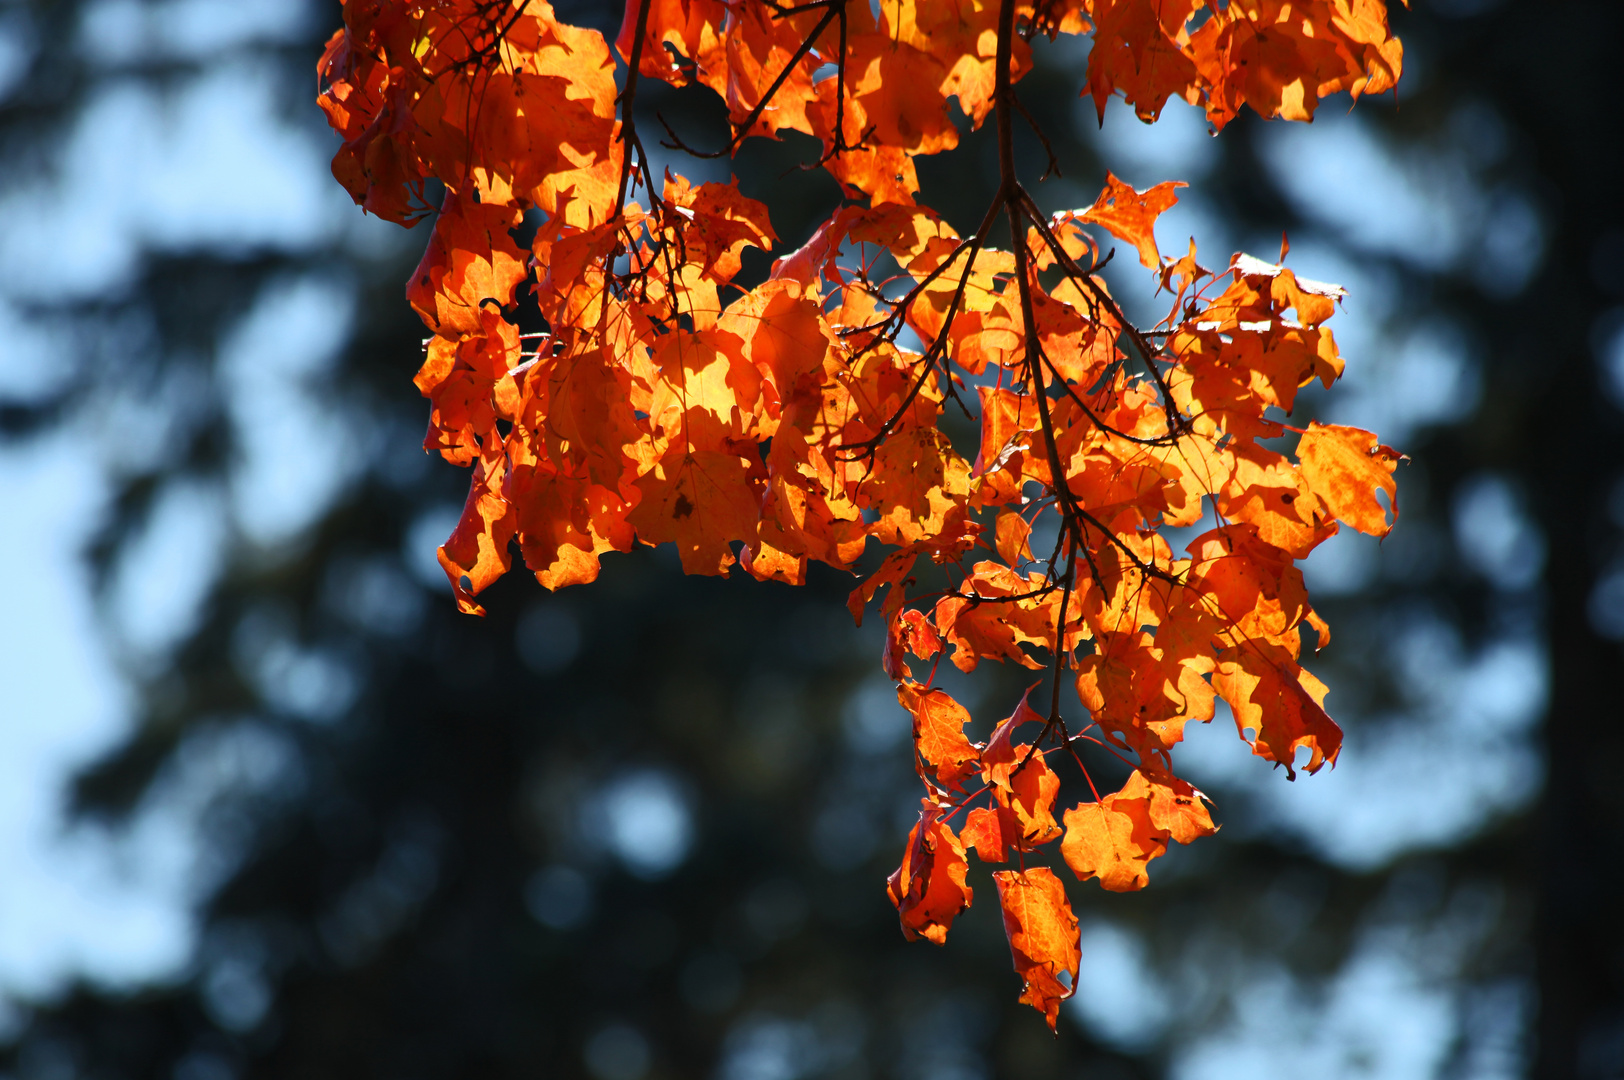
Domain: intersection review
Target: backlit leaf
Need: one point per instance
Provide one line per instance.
(1043, 937)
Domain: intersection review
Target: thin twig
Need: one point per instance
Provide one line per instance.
(628, 99)
(743, 130)
(1054, 162)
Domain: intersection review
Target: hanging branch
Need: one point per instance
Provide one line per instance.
(661, 408)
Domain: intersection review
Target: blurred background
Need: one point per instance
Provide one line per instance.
(270, 807)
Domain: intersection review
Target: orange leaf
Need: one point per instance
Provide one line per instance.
(1116, 838)
(591, 410)
(1022, 781)
(928, 889)
(1043, 937)
(996, 628)
(992, 831)
(1346, 467)
(1176, 808)
(721, 223)
(471, 262)
(1131, 215)
(1111, 843)
(692, 27)
(1138, 50)
(1280, 702)
(915, 633)
(893, 571)
(476, 553)
(1146, 688)
(703, 501)
(943, 750)
(565, 522)
(1013, 533)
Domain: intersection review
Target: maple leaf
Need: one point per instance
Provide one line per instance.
(470, 262)
(909, 632)
(1021, 781)
(476, 553)
(928, 889)
(1131, 215)
(701, 500)
(992, 832)
(1145, 688)
(692, 27)
(1346, 467)
(942, 749)
(891, 573)
(466, 377)
(1139, 49)
(1014, 536)
(1281, 703)
(1043, 937)
(720, 224)
(1278, 56)
(1110, 843)
(1310, 49)
(590, 415)
(565, 522)
(996, 615)
(1115, 838)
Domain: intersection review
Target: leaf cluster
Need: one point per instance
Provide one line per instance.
(800, 419)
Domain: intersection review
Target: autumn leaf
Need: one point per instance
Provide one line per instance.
(1111, 843)
(1280, 703)
(565, 522)
(992, 831)
(1151, 50)
(590, 422)
(1139, 52)
(1116, 838)
(892, 572)
(701, 501)
(928, 889)
(1144, 688)
(465, 376)
(1175, 807)
(1131, 215)
(906, 632)
(1013, 538)
(944, 752)
(471, 262)
(1043, 937)
(1021, 781)
(1346, 467)
(476, 553)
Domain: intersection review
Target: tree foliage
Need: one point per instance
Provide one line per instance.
(1131, 515)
